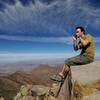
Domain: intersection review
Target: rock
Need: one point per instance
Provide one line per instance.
(32, 92)
(65, 92)
(86, 73)
(61, 91)
(18, 96)
(39, 91)
(2, 98)
(86, 78)
(49, 97)
(58, 91)
(28, 98)
(25, 90)
(94, 96)
(54, 90)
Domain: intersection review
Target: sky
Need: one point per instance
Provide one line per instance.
(34, 29)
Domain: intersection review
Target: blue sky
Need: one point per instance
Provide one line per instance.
(29, 27)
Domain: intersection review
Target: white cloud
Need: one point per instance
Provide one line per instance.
(53, 18)
(97, 39)
(64, 40)
(17, 18)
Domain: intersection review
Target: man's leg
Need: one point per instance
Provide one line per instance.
(77, 60)
(66, 67)
(64, 71)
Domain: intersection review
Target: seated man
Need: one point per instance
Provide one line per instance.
(86, 44)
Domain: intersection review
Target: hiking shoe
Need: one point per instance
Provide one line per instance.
(57, 78)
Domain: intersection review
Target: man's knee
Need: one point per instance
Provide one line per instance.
(67, 62)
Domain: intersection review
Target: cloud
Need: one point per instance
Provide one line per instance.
(97, 39)
(63, 40)
(47, 18)
(36, 23)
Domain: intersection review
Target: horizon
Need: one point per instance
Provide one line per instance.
(37, 57)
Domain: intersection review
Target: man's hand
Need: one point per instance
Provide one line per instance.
(73, 37)
(74, 43)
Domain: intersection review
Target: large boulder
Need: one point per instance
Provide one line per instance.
(86, 79)
(65, 92)
(86, 73)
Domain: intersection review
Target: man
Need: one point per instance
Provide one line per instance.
(86, 44)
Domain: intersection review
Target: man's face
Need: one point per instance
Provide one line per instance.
(78, 32)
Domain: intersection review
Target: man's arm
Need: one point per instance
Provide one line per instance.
(76, 45)
(84, 42)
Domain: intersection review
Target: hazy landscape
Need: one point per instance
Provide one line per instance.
(12, 66)
(15, 75)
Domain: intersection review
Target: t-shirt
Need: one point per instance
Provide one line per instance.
(89, 49)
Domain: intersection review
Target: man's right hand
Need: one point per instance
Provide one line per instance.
(74, 39)
(75, 43)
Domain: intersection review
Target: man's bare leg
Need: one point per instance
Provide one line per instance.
(62, 74)
(64, 71)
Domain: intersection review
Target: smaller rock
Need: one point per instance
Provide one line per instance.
(39, 91)
(54, 91)
(28, 98)
(18, 96)
(94, 96)
(2, 98)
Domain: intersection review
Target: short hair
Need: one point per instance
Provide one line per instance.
(81, 28)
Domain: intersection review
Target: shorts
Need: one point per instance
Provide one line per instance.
(79, 60)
